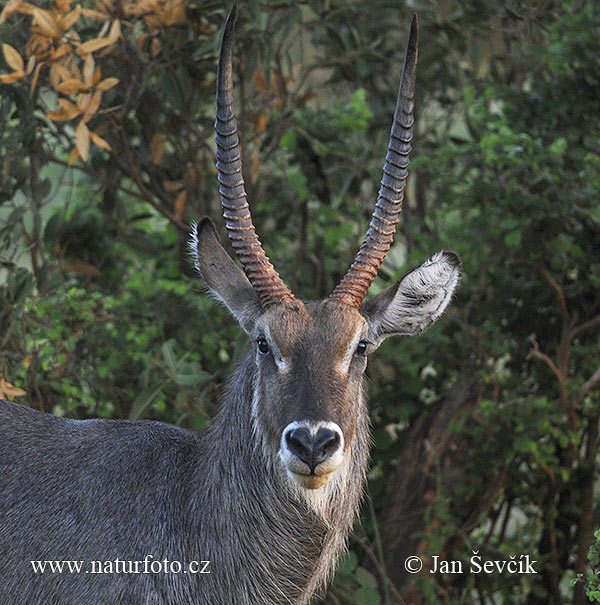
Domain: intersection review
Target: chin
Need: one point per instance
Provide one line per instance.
(311, 481)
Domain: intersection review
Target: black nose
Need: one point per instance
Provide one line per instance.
(312, 449)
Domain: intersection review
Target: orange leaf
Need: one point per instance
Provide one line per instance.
(10, 391)
(80, 267)
(36, 75)
(71, 18)
(260, 82)
(260, 123)
(157, 145)
(88, 69)
(255, 167)
(70, 87)
(46, 22)
(58, 71)
(13, 58)
(98, 140)
(83, 100)
(180, 205)
(172, 185)
(30, 64)
(107, 84)
(93, 45)
(74, 156)
(97, 76)
(14, 77)
(69, 107)
(15, 6)
(82, 138)
(115, 31)
(61, 115)
(64, 49)
(93, 106)
(93, 14)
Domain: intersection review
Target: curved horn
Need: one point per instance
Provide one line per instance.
(261, 273)
(353, 287)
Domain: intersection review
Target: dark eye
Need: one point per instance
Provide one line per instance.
(263, 346)
(361, 349)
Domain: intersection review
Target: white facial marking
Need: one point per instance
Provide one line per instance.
(297, 469)
(344, 364)
(280, 361)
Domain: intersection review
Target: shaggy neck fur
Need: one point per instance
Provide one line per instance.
(269, 541)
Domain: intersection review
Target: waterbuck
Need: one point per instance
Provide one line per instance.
(263, 500)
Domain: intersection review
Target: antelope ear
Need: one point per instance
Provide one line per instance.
(226, 280)
(416, 300)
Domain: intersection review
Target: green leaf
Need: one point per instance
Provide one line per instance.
(192, 379)
(347, 563)
(366, 596)
(366, 578)
(145, 400)
(169, 355)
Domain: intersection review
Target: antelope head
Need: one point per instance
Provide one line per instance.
(310, 357)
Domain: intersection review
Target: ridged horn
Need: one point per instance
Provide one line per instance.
(354, 285)
(261, 273)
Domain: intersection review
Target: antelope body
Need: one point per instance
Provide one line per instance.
(268, 493)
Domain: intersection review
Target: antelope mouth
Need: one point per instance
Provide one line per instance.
(311, 452)
(312, 480)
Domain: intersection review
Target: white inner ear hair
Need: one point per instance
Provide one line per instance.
(422, 296)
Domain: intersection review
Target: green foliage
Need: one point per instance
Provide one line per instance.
(100, 314)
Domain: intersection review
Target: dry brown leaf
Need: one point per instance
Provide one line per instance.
(82, 138)
(65, 49)
(10, 391)
(71, 18)
(157, 145)
(93, 14)
(61, 115)
(104, 29)
(255, 167)
(30, 64)
(13, 58)
(97, 75)
(69, 108)
(260, 82)
(15, 76)
(83, 100)
(16, 6)
(58, 71)
(180, 205)
(75, 70)
(93, 106)
(155, 46)
(80, 267)
(107, 84)
(98, 140)
(171, 186)
(71, 87)
(34, 80)
(74, 156)
(46, 22)
(115, 31)
(260, 123)
(88, 69)
(93, 45)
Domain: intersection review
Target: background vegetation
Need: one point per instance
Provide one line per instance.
(486, 428)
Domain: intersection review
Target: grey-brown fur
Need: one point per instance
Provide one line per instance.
(98, 490)
(269, 492)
